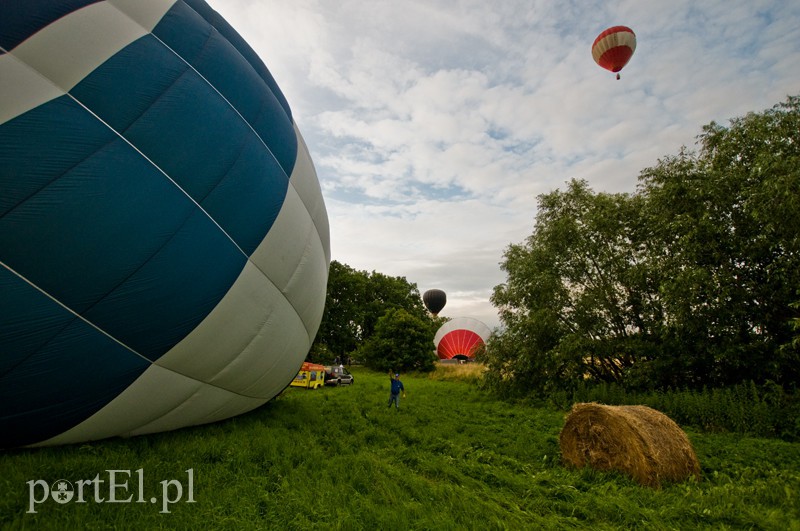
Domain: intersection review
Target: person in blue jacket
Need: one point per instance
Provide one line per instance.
(397, 388)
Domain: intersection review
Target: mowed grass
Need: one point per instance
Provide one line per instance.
(452, 457)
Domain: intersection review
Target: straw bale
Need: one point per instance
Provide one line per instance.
(638, 441)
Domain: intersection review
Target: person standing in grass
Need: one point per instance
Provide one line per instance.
(397, 388)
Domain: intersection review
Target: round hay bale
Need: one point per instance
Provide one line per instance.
(638, 441)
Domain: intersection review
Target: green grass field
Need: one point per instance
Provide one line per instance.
(337, 458)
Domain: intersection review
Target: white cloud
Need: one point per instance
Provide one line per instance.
(434, 125)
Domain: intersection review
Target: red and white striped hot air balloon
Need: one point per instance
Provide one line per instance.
(460, 338)
(613, 48)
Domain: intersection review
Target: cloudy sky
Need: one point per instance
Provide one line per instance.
(434, 125)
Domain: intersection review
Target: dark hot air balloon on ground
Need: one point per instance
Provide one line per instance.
(461, 338)
(613, 48)
(164, 243)
(434, 300)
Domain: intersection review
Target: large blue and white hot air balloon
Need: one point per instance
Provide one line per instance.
(164, 244)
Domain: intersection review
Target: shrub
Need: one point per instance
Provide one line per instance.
(766, 410)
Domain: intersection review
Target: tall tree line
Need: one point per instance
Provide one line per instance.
(690, 281)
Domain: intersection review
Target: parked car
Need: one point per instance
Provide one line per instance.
(337, 375)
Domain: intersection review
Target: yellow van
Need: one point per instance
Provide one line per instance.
(310, 376)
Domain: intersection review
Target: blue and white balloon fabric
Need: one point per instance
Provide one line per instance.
(164, 243)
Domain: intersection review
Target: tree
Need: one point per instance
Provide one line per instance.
(725, 247)
(576, 302)
(384, 293)
(690, 281)
(341, 327)
(355, 301)
(401, 342)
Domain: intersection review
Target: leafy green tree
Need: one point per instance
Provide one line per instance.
(688, 282)
(385, 292)
(354, 302)
(341, 327)
(725, 248)
(401, 342)
(575, 303)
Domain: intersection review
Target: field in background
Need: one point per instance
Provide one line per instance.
(451, 458)
(469, 372)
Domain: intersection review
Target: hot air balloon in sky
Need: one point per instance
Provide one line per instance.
(613, 48)
(164, 243)
(460, 338)
(434, 300)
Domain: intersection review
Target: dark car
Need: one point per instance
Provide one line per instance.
(337, 375)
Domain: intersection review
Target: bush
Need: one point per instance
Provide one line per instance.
(765, 411)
